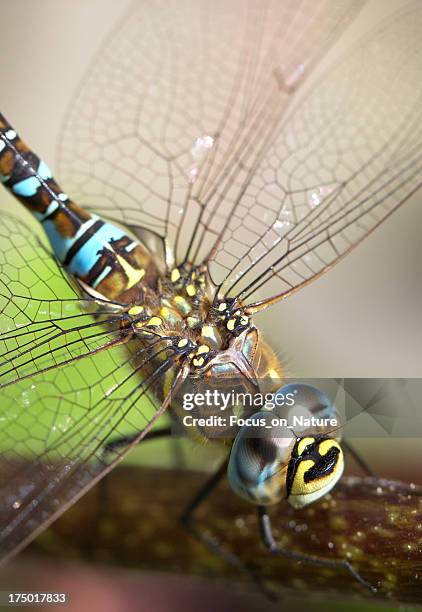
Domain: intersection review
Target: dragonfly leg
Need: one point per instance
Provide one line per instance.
(203, 493)
(274, 548)
(123, 441)
(189, 522)
(358, 459)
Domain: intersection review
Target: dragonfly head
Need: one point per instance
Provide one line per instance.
(266, 470)
(269, 462)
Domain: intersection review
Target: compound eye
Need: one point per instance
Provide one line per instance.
(259, 459)
(315, 467)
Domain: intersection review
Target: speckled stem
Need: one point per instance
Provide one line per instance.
(375, 524)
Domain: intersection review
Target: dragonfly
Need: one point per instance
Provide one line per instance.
(208, 183)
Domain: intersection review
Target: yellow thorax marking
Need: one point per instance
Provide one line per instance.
(207, 331)
(183, 342)
(175, 275)
(190, 290)
(170, 315)
(210, 335)
(182, 304)
(197, 360)
(230, 324)
(203, 349)
(192, 321)
(222, 307)
(154, 321)
(135, 310)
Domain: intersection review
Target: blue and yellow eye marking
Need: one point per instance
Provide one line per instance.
(315, 467)
(303, 444)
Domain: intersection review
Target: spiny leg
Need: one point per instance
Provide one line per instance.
(189, 522)
(123, 441)
(275, 549)
(358, 459)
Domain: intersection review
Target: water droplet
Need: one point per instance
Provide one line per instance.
(198, 152)
(65, 424)
(28, 397)
(319, 194)
(284, 222)
(289, 78)
(314, 199)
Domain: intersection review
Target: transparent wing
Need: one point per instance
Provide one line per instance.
(343, 161)
(43, 321)
(62, 394)
(181, 101)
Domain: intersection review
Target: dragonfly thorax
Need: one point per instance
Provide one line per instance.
(200, 328)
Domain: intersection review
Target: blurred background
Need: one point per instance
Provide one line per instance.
(362, 319)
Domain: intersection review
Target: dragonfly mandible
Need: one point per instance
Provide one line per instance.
(203, 195)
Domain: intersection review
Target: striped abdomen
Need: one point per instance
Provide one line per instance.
(96, 252)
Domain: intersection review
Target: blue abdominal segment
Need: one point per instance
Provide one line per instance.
(94, 251)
